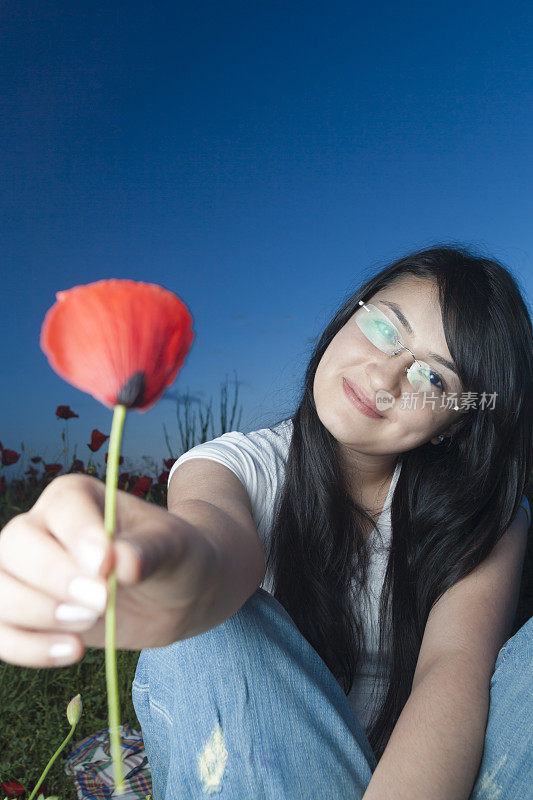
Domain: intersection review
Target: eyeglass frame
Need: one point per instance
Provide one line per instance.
(362, 304)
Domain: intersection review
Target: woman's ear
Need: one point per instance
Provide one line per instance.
(457, 424)
(439, 439)
(452, 429)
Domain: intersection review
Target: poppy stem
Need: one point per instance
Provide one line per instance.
(66, 453)
(57, 752)
(119, 416)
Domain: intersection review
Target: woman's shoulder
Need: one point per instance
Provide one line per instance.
(277, 437)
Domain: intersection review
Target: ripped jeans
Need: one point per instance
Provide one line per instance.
(249, 711)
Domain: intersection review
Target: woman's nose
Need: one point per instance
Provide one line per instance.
(392, 371)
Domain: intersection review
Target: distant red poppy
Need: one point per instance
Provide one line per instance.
(12, 788)
(97, 440)
(36, 459)
(64, 412)
(169, 462)
(139, 334)
(122, 480)
(163, 478)
(120, 460)
(141, 486)
(77, 465)
(9, 457)
(53, 469)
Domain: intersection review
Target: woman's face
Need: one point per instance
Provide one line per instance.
(410, 419)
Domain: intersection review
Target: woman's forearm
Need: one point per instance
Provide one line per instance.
(224, 565)
(436, 746)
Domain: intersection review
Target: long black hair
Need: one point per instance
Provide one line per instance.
(451, 503)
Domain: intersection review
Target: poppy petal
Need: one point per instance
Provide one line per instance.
(53, 469)
(12, 788)
(65, 412)
(97, 440)
(9, 457)
(122, 341)
(141, 486)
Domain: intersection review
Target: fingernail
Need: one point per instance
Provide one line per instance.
(88, 593)
(90, 555)
(61, 650)
(69, 613)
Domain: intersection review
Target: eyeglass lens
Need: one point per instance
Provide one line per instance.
(379, 330)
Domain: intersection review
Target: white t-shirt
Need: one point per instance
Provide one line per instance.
(258, 459)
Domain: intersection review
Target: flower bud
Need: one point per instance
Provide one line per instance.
(74, 709)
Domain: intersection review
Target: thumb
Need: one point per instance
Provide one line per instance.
(144, 554)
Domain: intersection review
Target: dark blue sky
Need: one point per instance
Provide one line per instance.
(256, 159)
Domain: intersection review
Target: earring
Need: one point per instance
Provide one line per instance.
(440, 437)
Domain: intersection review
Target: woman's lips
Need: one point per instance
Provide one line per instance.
(349, 391)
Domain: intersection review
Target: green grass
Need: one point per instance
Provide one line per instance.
(34, 722)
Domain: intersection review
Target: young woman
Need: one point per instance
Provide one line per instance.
(325, 613)
(393, 516)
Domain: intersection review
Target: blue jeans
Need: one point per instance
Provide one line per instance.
(249, 711)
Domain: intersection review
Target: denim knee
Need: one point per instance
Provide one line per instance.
(191, 686)
(506, 767)
(516, 653)
(202, 657)
(216, 661)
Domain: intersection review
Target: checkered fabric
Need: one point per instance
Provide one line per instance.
(90, 764)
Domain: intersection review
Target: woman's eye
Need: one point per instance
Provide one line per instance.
(385, 330)
(434, 375)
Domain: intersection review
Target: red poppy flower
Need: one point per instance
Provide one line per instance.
(12, 788)
(9, 457)
(169, 462)
(141, 486)
(122, 480)
(64, 412)
(97, 440)
(163, 478)
(120, 460)
(53, 469)
(139, 335)
(77, 465)
(36, 459)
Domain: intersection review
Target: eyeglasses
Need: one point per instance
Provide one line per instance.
(379, 330)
